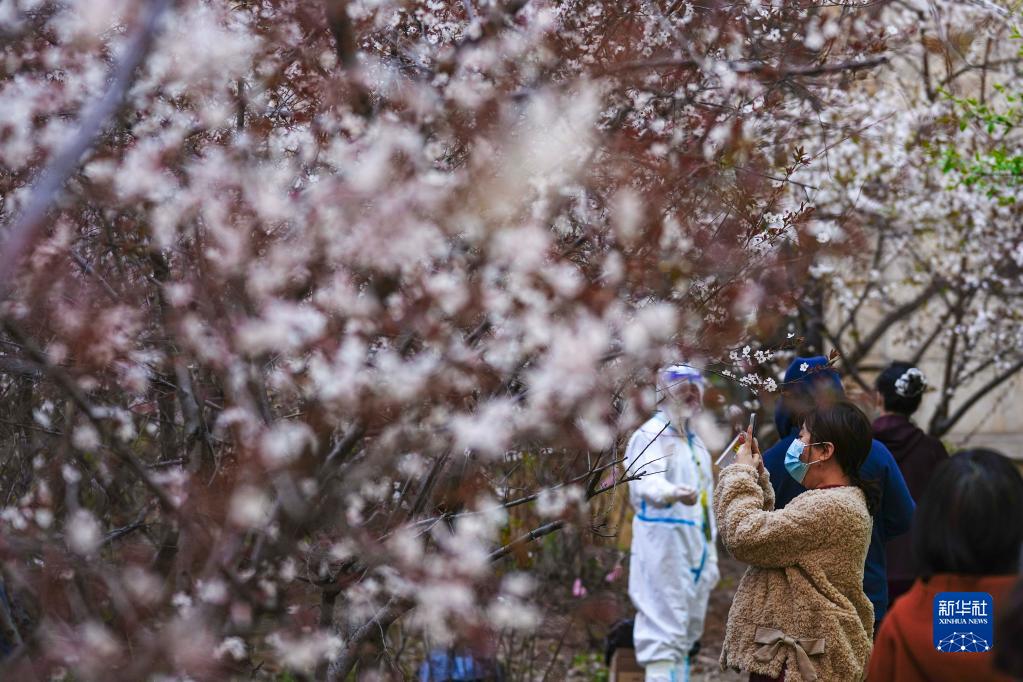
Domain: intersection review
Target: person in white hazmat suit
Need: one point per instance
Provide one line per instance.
(673, 565)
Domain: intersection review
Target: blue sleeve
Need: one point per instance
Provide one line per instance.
(774, 462)
(897, 506)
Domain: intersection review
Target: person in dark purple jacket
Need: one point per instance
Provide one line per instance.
(900, 389)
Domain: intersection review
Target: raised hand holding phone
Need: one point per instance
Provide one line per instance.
(731, 453)
(749, 450)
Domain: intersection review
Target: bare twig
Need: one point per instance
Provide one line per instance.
(554, 656)
(536, 533)
(864, 347)
(89, 270)
(343, 664)
(340, 452)
(118, 533)
(757, 67)
(940, 427)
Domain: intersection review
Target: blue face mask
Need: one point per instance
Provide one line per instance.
(796, 467)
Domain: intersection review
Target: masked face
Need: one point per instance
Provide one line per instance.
(683, 400)
(798, 456)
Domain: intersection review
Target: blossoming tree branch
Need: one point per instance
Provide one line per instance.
(306, 306)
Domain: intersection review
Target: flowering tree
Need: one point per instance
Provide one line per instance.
(918, 175)
(305, 305)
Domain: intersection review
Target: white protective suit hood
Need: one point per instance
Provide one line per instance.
(674, 394)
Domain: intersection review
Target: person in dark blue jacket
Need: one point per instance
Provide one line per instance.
(806, 381)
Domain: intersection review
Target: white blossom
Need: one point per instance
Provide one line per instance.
(306, 651)
(231, 646)
(249, 507)
(85, 437)
(83, 533)
(285, 442)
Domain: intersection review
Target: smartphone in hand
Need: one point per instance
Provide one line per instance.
(728, 456)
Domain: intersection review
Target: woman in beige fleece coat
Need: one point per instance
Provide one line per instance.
(800, 609)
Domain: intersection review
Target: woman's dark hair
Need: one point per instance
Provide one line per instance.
(901, 385)
(970, 519)
(843, 424)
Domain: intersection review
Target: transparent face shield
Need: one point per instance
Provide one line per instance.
(681, 388)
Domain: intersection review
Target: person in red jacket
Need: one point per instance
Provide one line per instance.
(967, 536)
(900, 389)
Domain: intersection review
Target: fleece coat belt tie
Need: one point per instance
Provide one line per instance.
(772, 639)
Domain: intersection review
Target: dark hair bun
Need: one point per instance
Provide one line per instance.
(902, 386)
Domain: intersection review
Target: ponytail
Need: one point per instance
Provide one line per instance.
(871, 490)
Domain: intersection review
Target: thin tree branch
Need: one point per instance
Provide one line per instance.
(940, 427)
(89, 270)
(928, 90)
(17, 367)
(340, 452)
(757, 67)
(991, 7)
(427, 490)
(941, 411)
(929, 341)
(342, 665)
(875, 265)
(591, 492)
(118, 533)
(536, 533)
(881, 328)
